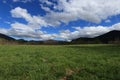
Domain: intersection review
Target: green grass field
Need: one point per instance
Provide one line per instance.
(77, 62)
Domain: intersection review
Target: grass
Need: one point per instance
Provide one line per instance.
(73, 62)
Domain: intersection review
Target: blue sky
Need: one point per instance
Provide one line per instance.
(58, 19)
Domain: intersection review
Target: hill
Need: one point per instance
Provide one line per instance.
(110, 37)
(3, 36)
(4, 39)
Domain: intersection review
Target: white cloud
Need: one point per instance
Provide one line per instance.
(47, 2)
(72, 10)
(18, 12)
(3, 31)
(89, 10)
(47, 9)
(25, 31)
(33, 21)
(21, 27)
(31, 29)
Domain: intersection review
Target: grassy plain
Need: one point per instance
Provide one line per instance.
(69, 62)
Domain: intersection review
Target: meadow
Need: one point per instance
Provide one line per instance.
(68, 62)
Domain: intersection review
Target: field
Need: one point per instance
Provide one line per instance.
(73, 62)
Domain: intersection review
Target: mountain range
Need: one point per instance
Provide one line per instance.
(107, 38)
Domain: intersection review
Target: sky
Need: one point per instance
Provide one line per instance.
(58, 19)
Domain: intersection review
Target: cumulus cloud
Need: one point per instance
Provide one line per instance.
(20, 30)
(89, 10)
(71, 10)
(34, 21)
(31, 29)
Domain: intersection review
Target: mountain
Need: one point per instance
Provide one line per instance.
(110, 37)
(5, 37)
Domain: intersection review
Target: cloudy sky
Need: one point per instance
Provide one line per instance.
(58, 19)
